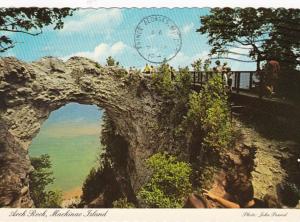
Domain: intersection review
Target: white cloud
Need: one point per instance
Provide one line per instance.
(183, 60)
(102, 51)
(91, 18)
(187, 28)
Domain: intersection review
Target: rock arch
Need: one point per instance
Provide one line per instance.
(30, 91)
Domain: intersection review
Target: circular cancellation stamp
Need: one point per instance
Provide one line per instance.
(157, 38)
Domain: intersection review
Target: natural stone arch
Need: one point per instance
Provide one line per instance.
(29, 92)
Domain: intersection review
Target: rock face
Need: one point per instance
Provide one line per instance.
(29, 92)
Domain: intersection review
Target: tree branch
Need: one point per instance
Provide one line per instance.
(231, 52)
(235, 46)
(239, 60)
(20, 31)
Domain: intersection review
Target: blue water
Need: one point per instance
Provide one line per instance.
(71, 137)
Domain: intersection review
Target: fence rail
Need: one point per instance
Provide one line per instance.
(246, 81)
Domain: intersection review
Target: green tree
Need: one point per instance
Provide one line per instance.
(162, 79)
(197, 65)
(39, 179)
(28, 21)
(261, 34)
(169, 183)
(209, 115)
(110, 61)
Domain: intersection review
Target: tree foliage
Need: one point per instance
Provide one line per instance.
(169, 183)
(110, 61)
(261, 34)
(209, 112)
(28, 21)
(39, 179)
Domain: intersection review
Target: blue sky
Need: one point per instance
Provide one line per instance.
(100, 33)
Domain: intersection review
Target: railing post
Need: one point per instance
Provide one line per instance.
(251, 80)
(201, 78)
(238, 82)
(261, 83)
(235, 81)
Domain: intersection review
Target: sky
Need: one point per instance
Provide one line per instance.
(99, 33)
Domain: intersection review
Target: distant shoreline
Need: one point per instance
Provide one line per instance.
(72, 193)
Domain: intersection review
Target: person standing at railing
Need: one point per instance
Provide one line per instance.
(271, 70)
(147, 69)
(152, 69)
(219, 67)
(224, 72)
(229, 78)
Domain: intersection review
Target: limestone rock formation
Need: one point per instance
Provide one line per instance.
(29, 92)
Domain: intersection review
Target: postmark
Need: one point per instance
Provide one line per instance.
(157, 38)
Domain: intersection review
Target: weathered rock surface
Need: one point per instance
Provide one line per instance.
(269, 169)
(30, 91)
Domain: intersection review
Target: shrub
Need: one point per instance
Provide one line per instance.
(39, 179)
(110, 61)
(208, 116)
(162, 80)
(215, 121)
(122, 203)
(207, 130)
(169, 183)
(93, 184)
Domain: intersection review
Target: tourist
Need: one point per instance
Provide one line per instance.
(219, 68)
(224, 67)
(229, 78)
(271, 70)
(147, 69)
(152, 69)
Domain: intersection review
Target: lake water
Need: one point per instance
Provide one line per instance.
(71, 137)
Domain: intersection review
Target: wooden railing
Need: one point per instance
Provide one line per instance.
(241, 80)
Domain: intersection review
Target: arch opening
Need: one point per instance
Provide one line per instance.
(71, 138)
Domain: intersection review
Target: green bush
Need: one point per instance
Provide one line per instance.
(162, 80)
(122, 203)
(169, 183)
(39, 179)
(199, 121)
(93, 184)
(208, 116)
(110, 61)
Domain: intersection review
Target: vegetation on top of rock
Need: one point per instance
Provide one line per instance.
(39, 178)
(209, 114)
(110, 61)
(169, 183)
(200, 121)
(198, 130)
